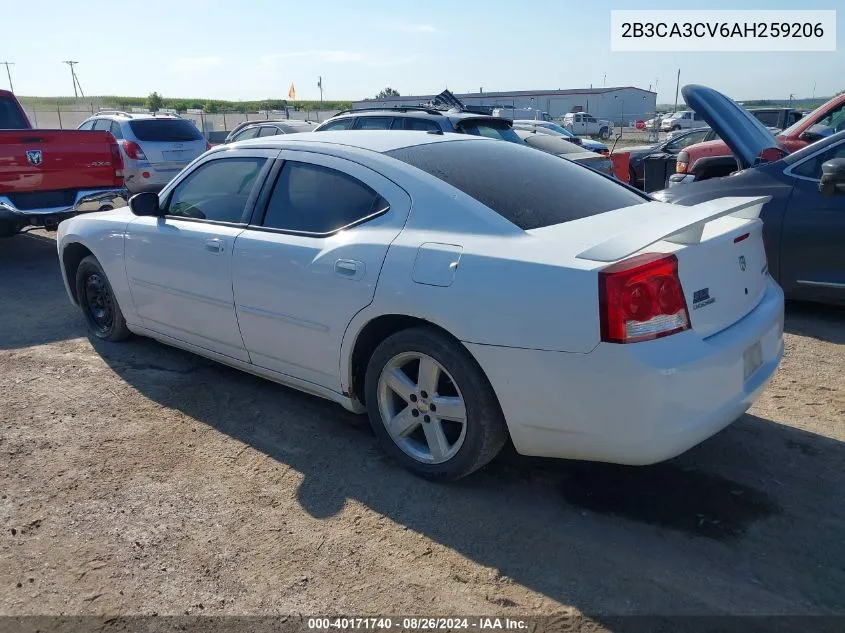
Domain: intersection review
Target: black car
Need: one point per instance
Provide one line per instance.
(804, 222)
(253, 129)
(667, 149)
(423, 119)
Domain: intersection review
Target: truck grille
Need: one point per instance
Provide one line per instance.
(43, 199)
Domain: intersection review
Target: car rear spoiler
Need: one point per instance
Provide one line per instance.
(642, 225)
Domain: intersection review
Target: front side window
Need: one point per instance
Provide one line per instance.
(217, 190)
(314, 199)
(812, 168)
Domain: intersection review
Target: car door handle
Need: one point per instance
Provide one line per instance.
(214, 244)
(349, 268)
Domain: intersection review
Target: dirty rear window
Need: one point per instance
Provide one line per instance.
(10, 115)
(165, 130)
(529, 188)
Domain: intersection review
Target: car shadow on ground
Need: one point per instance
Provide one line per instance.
(760, 498)
(32, 290)
(820, 321)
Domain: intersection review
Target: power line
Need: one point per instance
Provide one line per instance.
(75, 79)
(9, 74)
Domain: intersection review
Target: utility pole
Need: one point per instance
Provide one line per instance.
(677, 88)
(320, 86)
(75, 79)
(9, 74)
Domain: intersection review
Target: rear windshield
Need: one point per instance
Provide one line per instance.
(173, 130)
(530, 188)
(10, 115)
(490, 129)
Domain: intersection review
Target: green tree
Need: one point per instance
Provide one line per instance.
(388, 92)
(155, 101)
(210, 107)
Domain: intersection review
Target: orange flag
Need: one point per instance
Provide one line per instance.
(292, 91)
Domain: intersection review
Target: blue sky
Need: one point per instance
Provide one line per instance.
(207, 48)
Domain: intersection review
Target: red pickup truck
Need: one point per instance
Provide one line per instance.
(713, 159)
(49, 175)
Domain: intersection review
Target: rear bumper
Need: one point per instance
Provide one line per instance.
(151, 176)
(634, 404)
(85, 201)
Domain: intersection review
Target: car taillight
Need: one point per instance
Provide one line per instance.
(133, 150)
(682, 163)
(116, 162)
(604, 152)
(641, 299)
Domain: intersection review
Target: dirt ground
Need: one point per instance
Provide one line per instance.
(138, 479)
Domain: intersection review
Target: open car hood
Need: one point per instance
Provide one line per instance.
(749, 140)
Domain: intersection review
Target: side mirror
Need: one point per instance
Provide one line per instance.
(833, 177)
(145, 204)
(816, 133)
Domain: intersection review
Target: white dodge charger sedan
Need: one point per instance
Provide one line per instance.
(458, 289)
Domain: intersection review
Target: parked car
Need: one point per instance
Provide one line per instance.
(804, 219)
(559, 146)
(530, 114)
(584, 123)
(668, 148)
(251, 129)
(551, 127)
(154, 147)
(459, 290)
(422, 119)
(49, 175)
(682, 120)
(714, 159)
(776, 118)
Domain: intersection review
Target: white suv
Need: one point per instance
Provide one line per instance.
(155, 147)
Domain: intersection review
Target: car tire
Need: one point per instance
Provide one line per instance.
(97, 301)
(434, 447)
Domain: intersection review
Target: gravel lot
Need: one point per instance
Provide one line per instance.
(140, 479)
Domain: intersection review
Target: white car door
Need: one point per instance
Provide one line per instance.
(179, 267)
(310, 261)
(578, 126)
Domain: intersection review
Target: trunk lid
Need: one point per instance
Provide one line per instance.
(743, 133)
(718, 243)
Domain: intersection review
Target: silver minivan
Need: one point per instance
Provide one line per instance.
(155, 147)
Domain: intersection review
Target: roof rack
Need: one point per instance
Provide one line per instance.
(396, 108)
(115, 112)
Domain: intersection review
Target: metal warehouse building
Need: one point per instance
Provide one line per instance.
(619, 105)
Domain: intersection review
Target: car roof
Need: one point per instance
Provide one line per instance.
(413, 113)
(373, 140)
(291, 122)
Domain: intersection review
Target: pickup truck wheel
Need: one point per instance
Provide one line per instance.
(97, 301)
(604, 133)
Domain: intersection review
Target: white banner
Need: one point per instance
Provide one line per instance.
(722, 31)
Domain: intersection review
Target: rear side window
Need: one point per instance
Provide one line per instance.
(165, 130)
(270, 131)
(529, 188)
(490, 130)
(102, 124)
(10, 116)
(88, 125)
(768, 118)
(314, 199)
(114, 128)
